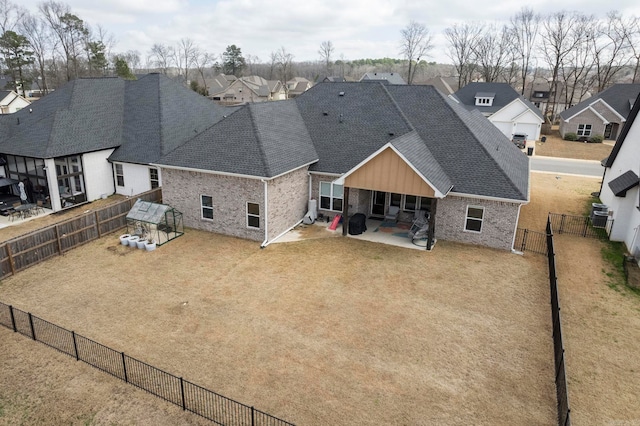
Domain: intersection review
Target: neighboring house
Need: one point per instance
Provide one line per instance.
(332, 79)
(504, 107)
(620, 191)
(11, 102)
(97, 136)
(250, 90)
(603, 114)
(446, 85)
(391, 77)
(219, 83)
(355, 148)
(297, 86)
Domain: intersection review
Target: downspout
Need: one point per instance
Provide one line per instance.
(515, 232)
(266, 215)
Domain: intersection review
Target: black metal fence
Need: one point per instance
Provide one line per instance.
(189, 396)
(527, 240)
(584, 226)
(562, 392)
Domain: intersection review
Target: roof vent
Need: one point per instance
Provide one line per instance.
(18, 121)
(341, 94)
(325, 112)
(391, 133)
(341, 118)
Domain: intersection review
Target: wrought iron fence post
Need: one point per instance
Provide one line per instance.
(184, 405)
(33, 333)
(75, 345)
(13, 319)
(124, 368)
(562, 224)
(253, 416)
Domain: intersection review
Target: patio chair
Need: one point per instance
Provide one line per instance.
(392, 214)
(39, 208)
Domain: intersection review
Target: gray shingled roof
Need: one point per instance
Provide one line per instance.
(262, 140)
(620, 185)
(502, 93)
(83, 116)
(459, 147)
(160, 115)
(473, 153)
(391, 77)
(617, 97)
(143, 119)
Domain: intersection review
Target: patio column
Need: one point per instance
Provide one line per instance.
(345, 211)
(432, 224)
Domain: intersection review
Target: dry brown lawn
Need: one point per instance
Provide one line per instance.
(324, 331)
(600, 315)
(555, 146)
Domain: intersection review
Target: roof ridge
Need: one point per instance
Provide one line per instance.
(482, 146)
(395, 103)
(254, 126)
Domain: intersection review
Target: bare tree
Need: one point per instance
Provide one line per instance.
(183, 56)
(161, 56)
(462, 39)
(70, 31)
(633, 40)
(40, 39)
(252, 61)
(610, 48)
(493, 52)
(558, 41)
(325, 52)
(273, 62)
(285, 64)
(11, 15)
(416, 42)
(577, 65)
(524, 31)
(203, 60)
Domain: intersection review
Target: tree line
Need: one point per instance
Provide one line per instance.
(582, 52)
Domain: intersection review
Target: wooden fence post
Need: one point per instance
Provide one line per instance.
(98, 225)
(58, 240)
(11, 261)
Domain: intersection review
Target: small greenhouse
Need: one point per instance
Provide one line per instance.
(152, 221)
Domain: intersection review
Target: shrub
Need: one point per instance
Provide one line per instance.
(596, 139)
(570, 137)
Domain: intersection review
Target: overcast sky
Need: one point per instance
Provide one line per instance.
(357, 28)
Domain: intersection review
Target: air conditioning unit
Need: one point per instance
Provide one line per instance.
(600, 219)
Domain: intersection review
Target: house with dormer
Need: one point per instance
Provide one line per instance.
(603, 114)
(249, 89)
(509, 111)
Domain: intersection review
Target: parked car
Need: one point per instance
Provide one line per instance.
(520, 139)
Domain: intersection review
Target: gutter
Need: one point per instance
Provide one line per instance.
(266, 215)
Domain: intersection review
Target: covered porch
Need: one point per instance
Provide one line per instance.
(388, 186)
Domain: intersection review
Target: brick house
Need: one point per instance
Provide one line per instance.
(355, 148)
(603, 114)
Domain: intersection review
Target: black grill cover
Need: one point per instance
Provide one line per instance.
(357, 224)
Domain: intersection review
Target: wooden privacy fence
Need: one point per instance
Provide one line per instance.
(30, 249)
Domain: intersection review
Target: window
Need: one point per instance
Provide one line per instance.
(584, 129)
(331, 196)
(395, 199)
(206, 203)
(253, 215)
(474, 219)
(410, 203)
(153, 177)
(119, 175)
(484, 101)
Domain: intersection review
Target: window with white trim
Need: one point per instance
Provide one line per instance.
(154, 178)
(584, 130)
(206, 207)
(331, 196)
(410, 203)
(119, 175)
(395, 199)
(484, 101)
(253, 215)
(475, 216)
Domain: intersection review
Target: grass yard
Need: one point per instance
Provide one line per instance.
(324, 331)
(555, 146)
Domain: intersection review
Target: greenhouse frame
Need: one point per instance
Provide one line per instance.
(160, 223)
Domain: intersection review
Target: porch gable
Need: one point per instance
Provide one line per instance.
(387, 171)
